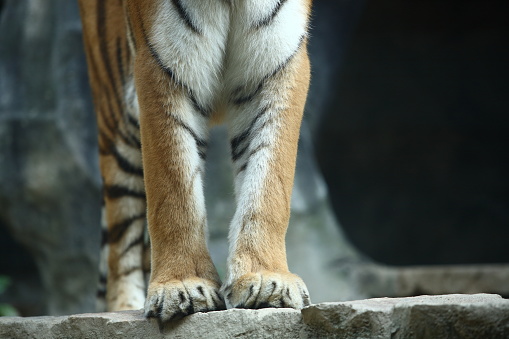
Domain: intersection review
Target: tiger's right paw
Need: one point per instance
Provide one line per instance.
(178, 298)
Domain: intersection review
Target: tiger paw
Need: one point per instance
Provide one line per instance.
(267, 289)
(178, 298)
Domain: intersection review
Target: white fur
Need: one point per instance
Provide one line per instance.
(195, 59)
(189, 151)
(230, 52)
(131, 99)
(253, 53)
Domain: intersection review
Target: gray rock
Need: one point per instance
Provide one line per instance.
(49, 181)
(265, 323)
(381, 280)
(446, 316)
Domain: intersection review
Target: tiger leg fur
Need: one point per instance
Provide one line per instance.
(264, 119)
(175, 108)
(122, 269)
(196, 63)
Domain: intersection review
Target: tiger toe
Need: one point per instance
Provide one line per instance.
(176, 299)
(267, 289)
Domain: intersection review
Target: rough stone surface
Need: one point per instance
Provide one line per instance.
(446, 316)
(382, 281)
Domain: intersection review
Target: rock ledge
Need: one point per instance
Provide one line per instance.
(445, 316)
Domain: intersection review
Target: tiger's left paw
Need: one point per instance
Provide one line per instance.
(267, 289)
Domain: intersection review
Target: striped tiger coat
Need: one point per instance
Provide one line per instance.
(162, 72)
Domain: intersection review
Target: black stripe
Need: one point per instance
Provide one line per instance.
(257, 149)
(103, 48)
(117, 231)
(107, 115)
(268, 20)
(200, 143)
(130, 37)
(279, 68)
(202, 154)
(237, 155)
(159, 62)
(251, 292)
(249, 97)
(134, 243)
(133, 121)
(243, 167)
(160, 305)
(101, 293)
(128, 53)
(202, 110)
(200, 289)
(107, 140)
(239, 139)
(235, 143)
(117, 191)
(104, 237)
(156, 57)
(120, 62)
(102, 31)
(285, 63)
(136, 142)
(103, 151)
(124, 164)
(130, 270)
(91, 62)
(190, 308)
(185, 16)
(129, 139)
(102, 279)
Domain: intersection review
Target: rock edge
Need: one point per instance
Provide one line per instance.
(444, 316)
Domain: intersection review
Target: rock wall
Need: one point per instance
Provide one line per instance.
(447, 316)
(49, 183)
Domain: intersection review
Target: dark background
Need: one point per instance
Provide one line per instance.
(414, 143)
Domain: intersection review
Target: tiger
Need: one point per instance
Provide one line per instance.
(162, 73)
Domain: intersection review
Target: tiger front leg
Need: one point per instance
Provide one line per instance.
(264, 147)
(183, 277)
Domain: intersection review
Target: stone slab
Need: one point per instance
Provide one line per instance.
(446, 316)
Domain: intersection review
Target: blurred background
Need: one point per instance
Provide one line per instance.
(413, 145)
(401, 185)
